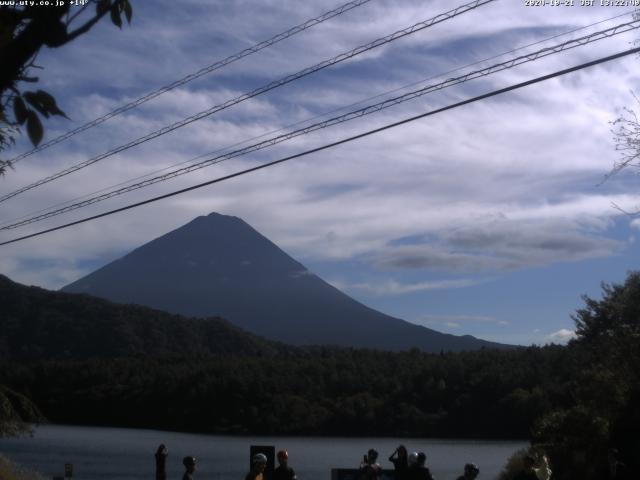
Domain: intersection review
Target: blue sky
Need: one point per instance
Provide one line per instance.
(490, 220)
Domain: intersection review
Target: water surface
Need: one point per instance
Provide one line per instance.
(99, 453)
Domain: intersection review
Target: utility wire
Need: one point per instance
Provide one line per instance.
(585, 40)
(275, 84)
(192, 76)
(339, 142)
(301, 122)
(308, 119)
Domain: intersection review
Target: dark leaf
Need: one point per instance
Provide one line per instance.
(115, 16)
(128, 11)
(34, 101)
(19, 110)
(103, 6)
(34, 128)
(49, 103)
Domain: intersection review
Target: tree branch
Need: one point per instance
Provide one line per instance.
(86, 27)
(79, 12)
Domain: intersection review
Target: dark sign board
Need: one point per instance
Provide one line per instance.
(356, 474)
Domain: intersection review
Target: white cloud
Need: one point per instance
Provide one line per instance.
(561, 336)
(393, 287)
(467, 320)
(500, 244)
(498, 185)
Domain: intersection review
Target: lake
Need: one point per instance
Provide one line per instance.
(127, 454)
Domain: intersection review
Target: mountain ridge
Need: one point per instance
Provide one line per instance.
(218, 265)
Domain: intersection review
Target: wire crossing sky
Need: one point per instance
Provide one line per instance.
(9, 224)
(334, 144)
(259, 91)
(530, 57)
(192, 76)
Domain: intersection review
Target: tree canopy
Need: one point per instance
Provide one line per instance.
(602, 416)
(24, 31)
(17, 412)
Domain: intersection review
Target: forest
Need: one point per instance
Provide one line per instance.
(578, 401)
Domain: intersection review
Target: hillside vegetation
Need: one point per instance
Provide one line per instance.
(38, 324)
(577, 402)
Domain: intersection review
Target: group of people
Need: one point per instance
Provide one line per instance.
(407, 466)
(258, 466)
(282, 472)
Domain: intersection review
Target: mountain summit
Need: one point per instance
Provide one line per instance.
(218, 265)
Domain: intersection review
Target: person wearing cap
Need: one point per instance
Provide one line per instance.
(419, 470)
(471, 471)
(283, 471)
(258, 464)
(190, 466)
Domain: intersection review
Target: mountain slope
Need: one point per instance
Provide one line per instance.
(38, 324)
(219, 265)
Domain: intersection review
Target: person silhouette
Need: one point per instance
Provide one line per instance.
(161, 462)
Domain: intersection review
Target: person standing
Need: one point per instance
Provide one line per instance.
(369, 468)
(471, 471)
(543, 470)
(283, 471)
(400, 460)
(190, 466)
(258, 464)
(419, 471)
(161, 462)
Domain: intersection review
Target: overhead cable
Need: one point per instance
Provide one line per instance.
(308, 119)
(192, 76)
(275, 84)
(334, 144)
(530, 57)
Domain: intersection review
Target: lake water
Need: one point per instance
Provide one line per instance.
(127, 454)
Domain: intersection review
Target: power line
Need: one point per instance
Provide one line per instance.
(339, 142)
(301, 122)
(275, 84)
(192, 76)
(534, 56)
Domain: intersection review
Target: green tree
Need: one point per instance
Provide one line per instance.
(24, 30)
(614, 318)
(17, 413)
(605, 391)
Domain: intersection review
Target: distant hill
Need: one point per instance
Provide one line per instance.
(220, 266)
(38, 324)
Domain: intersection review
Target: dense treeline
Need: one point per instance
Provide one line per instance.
(327, 391)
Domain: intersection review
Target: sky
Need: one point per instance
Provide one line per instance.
(491, 219)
